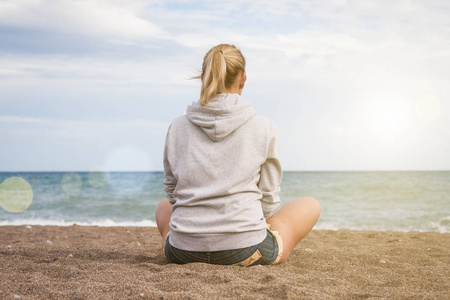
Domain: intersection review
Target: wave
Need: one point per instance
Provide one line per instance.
(442, 226)
(102, 223)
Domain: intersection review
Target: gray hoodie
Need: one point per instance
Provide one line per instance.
(222, 175)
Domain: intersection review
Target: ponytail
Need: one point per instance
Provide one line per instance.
(221, 67)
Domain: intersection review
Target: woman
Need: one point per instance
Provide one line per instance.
(223, 178)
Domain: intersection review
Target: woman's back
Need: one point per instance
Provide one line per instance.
(222, 175)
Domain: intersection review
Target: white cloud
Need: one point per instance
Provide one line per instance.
(118, 19)
(22, 70)
(90, 126)
(18, 119)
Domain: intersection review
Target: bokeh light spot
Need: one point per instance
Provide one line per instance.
(16, 194)
(128, 158)
(98, 179)
(71, 183)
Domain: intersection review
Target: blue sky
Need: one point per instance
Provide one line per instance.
(351, 85)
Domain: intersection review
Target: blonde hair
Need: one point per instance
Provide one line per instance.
(220, 70)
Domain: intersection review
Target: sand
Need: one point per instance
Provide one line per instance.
(78, 262)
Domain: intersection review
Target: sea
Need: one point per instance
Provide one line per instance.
(380, 201)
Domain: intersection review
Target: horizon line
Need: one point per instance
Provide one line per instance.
(161, 171)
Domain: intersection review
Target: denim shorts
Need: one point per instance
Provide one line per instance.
(267, 252)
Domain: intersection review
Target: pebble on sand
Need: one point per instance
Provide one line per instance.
(49, 242)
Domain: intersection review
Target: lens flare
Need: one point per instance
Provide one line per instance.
(128, 158)
(71, 183)
(16, 194)
(98, 179)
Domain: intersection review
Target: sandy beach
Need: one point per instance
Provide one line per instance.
(80, 262)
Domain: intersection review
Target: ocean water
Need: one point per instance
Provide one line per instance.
(398, 201)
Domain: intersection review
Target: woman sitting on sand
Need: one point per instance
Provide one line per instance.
(223, 178)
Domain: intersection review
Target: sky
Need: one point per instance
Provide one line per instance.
(351, 85)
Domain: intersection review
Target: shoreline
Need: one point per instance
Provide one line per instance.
(49, 262)
(153, 225)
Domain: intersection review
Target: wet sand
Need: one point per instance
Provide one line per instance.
(80, 262)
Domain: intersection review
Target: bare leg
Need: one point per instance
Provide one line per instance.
(294, 221)
(163, 212)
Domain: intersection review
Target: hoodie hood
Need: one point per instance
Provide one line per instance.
(222, 116)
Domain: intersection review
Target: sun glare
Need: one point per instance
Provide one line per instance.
(388, 121)
(390, 117)
(428, 108)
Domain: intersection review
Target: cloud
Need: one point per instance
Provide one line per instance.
(19, 119)
(76, 125)
(53, 144)
(101, 65)
(118, 19)
(25, 70)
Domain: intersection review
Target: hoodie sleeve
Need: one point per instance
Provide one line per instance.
(170, 182)
(270, 176)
